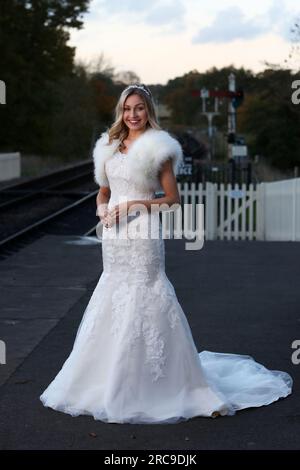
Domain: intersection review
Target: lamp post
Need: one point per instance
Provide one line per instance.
(231, 116)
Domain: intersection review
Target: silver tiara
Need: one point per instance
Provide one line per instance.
(140, 87)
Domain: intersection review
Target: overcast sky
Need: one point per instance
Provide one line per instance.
(162, 39)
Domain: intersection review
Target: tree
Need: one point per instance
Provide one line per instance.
(34, 55)
(271, 120)
(127, 77)
(294, 54)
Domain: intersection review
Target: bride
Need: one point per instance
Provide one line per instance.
(134, 359)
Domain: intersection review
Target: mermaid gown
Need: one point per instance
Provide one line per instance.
(134, 359)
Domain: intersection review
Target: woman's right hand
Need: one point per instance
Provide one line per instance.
(104, 216)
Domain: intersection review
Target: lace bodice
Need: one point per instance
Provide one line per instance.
(123, 189)
(120, 185)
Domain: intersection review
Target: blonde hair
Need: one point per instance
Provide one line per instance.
(118, 129)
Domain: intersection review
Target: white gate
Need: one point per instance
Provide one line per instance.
(230, 211)
(267, 211)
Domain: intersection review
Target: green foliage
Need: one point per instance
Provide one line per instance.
(34, 56)
(271, 120)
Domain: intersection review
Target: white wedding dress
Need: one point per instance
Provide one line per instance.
(134, 359)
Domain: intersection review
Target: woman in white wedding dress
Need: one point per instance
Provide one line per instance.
(134, 359)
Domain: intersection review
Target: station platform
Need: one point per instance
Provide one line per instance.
(239, 297)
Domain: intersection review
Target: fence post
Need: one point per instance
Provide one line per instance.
(260, 211)
(211, 211)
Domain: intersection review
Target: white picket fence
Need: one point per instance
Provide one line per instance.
(265, 211)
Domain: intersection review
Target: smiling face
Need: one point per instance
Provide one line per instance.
(135, 113)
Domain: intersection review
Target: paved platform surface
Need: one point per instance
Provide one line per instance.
(239, 297)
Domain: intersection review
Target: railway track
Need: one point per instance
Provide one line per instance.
(56, 178)
(62, 202)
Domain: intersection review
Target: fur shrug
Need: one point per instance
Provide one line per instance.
(145, 157)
